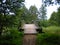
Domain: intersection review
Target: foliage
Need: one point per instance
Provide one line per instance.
(11, 37)
(48, 39)
(42, 15)
(34, 13)
(29, 15)
(6, 21)
(25, 16)
(7, 7)
(42, 12)
(51, 36)
(51, 2)
(52, 29)
(55, 18)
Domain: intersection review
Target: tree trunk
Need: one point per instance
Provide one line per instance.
(1, 28)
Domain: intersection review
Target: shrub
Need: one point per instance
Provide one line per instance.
(11, 37)
(48, 39)
(52, 29)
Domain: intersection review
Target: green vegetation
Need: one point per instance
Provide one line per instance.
(11, 37)
(55, 18)
(48, 39)
(51, 36)
(51, 2)
(52, 29)
(10, 24)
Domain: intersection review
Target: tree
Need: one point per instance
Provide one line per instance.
(54, 19)
(7, 7)
(29, 15)
(49, 2)
(33, 13)
(25, 14)
(42, 14)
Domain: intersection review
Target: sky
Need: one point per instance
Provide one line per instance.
(38, 4)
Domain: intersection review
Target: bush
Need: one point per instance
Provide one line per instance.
(48, 39)
(52, 29)
(11, 37)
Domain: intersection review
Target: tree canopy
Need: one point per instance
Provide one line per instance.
(29, 15)
(42, 12)
(49, 2)
(55, 18)
(7, 6)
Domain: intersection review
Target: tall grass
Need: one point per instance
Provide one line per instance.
(11, 37)
(52, 29)
(48, 39)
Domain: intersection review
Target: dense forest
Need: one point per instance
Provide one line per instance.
(13, 14)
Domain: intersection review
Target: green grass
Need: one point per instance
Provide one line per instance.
(50, 37)
(52, 29)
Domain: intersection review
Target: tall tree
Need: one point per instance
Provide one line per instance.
(7, 7)
(42, 15)
(49, 2)
(54, 19)
(29, 15)
(25, 14)
(33, 13)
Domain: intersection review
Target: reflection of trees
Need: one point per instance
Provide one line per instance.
(29, 41)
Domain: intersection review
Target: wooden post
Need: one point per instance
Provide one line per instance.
(29, 34)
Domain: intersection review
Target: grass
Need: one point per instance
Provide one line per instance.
(50, 37)
(52, 29)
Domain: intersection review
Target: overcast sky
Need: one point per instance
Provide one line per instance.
(38, 4)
